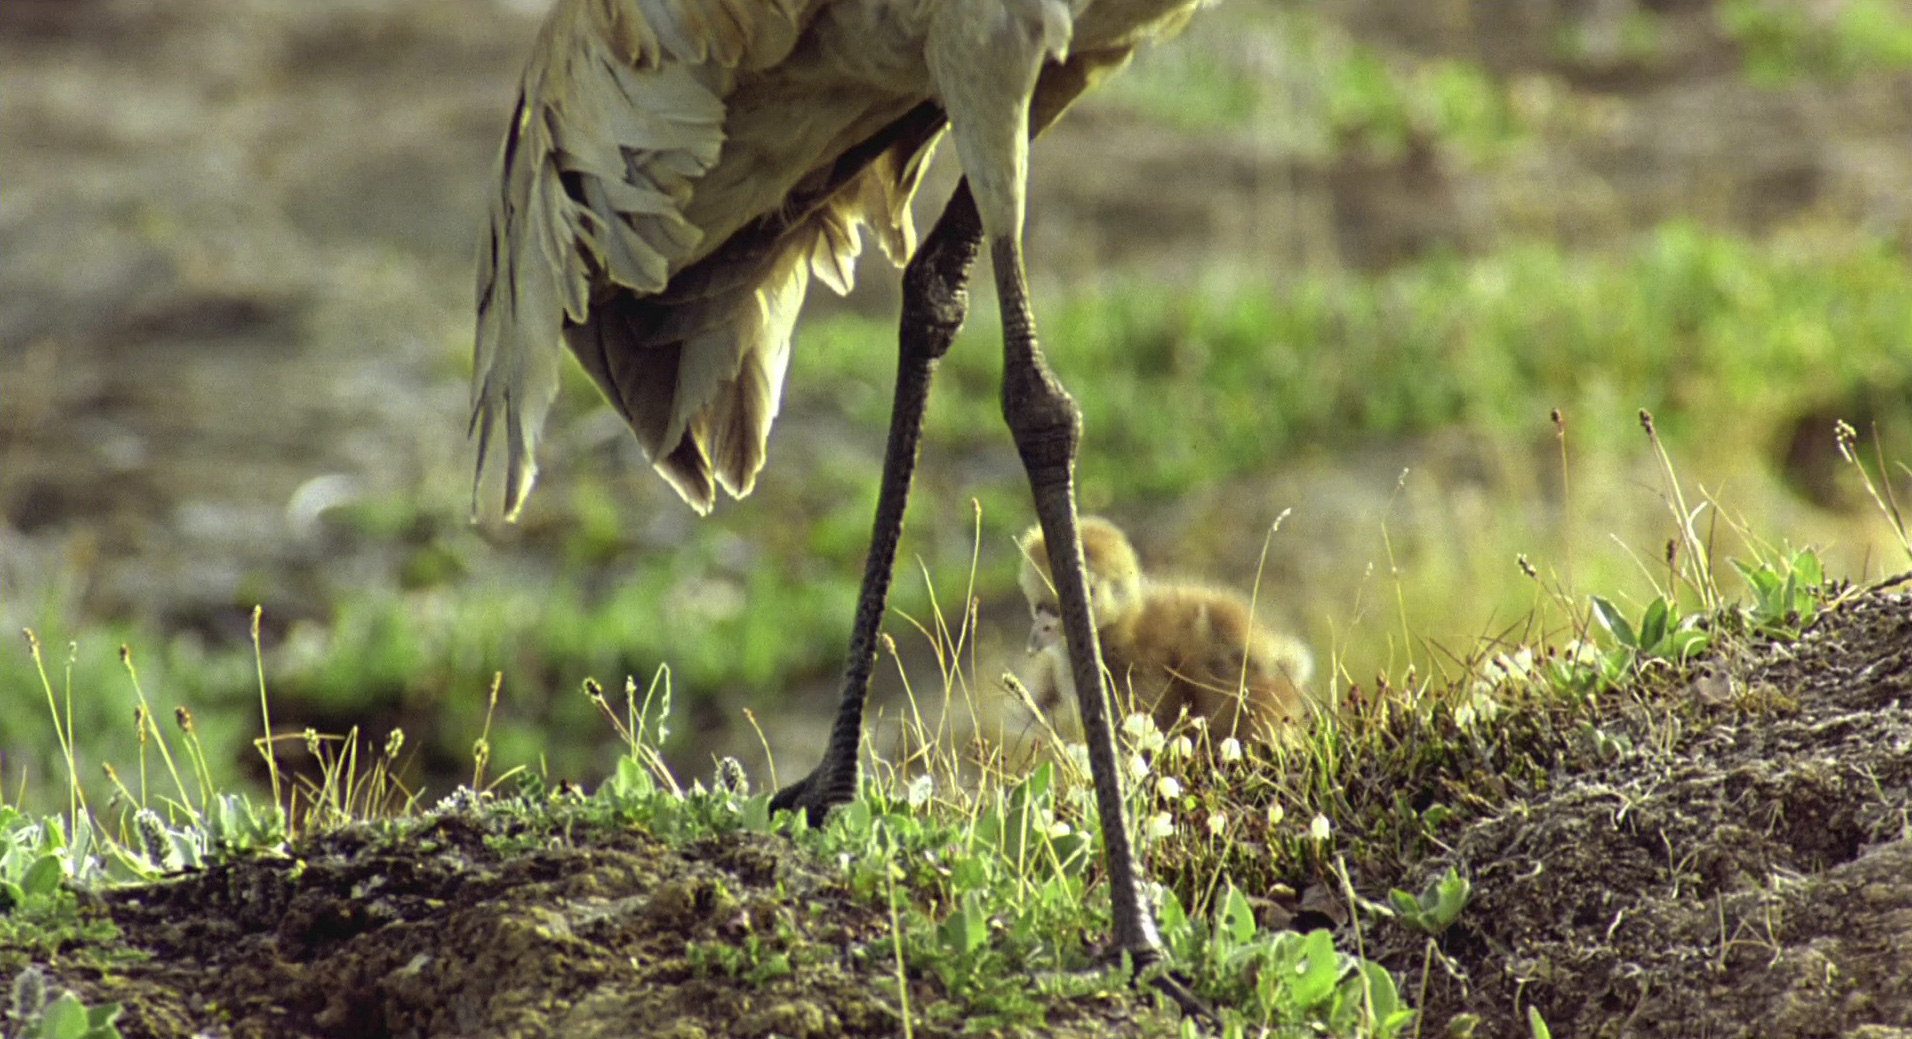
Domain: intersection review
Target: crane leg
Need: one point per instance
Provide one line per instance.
(1047, 427)
(935, 301)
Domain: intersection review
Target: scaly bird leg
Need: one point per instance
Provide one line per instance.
(1047, 427)
(935, 301)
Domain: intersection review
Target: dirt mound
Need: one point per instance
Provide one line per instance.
(1741, 867)
(481, 923)
(448, 932)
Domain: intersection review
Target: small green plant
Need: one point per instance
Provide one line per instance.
(33, 859)
(753, 960)
(229, 826)
(32, 1016)
(1022, 829)
(1785, 596)
(1662, 634)
(642, 789)
(237, 826)
(1283, 977)
(68, 1018)
(979, 896)
(1436, 908)
(40, 913)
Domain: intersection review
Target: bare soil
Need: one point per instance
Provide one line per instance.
(1741, 868)
(441, 934)
(475, 923)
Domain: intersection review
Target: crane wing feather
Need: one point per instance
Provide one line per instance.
(621, 122)
(620, 112)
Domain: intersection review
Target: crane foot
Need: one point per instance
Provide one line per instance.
(813, 796)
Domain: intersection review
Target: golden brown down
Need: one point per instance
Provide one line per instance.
(1170, 648)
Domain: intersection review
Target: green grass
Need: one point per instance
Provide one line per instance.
(1719, 335)
(1782, 42)
(1288, 78)
(94, 681)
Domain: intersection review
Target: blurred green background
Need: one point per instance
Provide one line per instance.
(1333, 260)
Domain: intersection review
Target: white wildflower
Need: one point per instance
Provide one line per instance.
(918, 791)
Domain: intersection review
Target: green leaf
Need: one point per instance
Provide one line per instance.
(855, 818)
(1811, 572)
(630, 780)
(43, 877)
(1684, 645)
(65, 1018)
(966, 928)
(1611, 619)
(99, 1019)
(1036, 788)
(1171, 917)
(1451, 893)
(1437, 907)
(1383, 999)
(1073, 852)
(969, 873)
(1760, 579)
(1236, 918)
(756, 816)
(1653, 625)
(1317, 972)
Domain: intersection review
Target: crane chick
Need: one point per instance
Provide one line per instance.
(1171, 648)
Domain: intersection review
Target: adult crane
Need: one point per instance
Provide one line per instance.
(676, 171)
